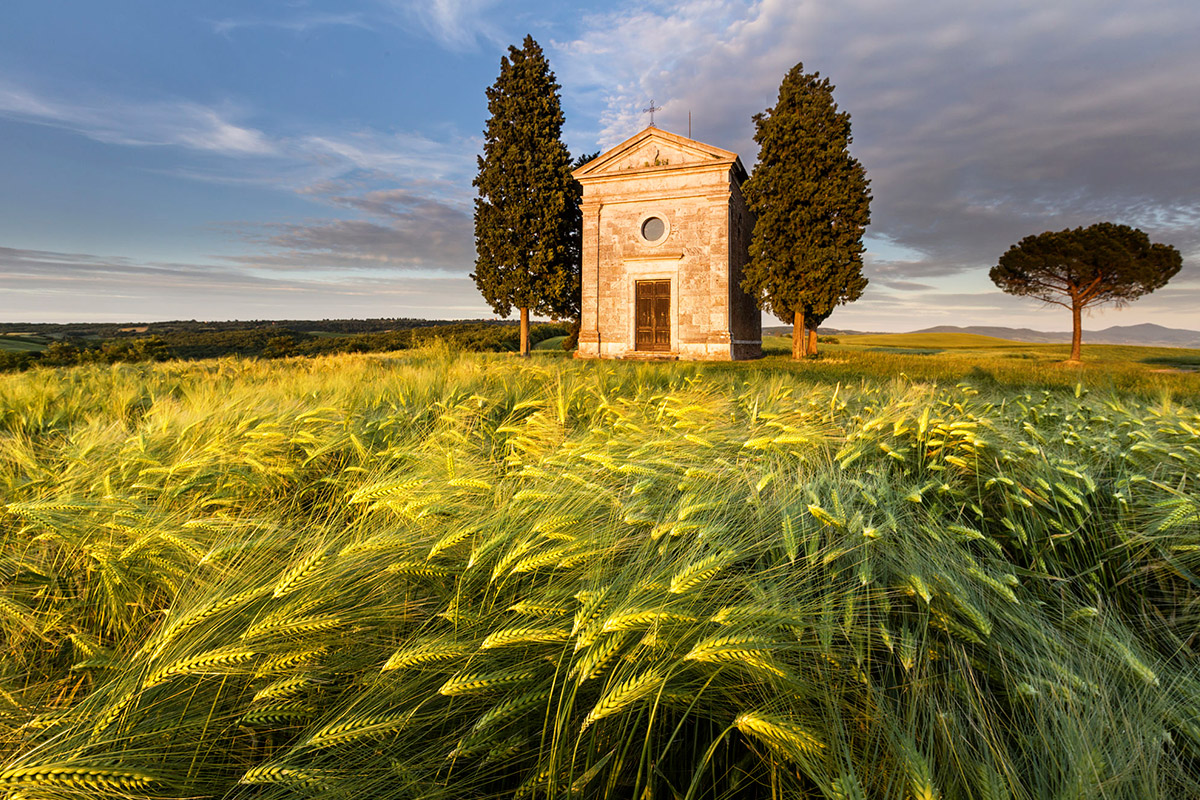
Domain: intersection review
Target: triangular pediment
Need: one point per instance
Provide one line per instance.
(654, 148)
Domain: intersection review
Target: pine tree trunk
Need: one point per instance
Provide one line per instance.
(812, 341)
(799, 337)
(524, 333)
(1076, 332)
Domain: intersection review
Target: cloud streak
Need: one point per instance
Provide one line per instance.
(408, 230)
(110, 120)
(299, 23)
(51, 286)
(457, 25)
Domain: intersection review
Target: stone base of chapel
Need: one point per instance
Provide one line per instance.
(698, 351)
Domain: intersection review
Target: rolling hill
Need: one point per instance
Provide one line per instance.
(1147, 334)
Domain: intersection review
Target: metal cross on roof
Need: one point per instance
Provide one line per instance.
(651, 111)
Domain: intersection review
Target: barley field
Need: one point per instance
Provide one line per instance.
(436, 575)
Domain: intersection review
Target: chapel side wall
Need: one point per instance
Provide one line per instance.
(745, 319)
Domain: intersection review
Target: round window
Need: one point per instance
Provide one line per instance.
(653, 229)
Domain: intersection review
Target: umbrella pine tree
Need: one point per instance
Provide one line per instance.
(1085, 267)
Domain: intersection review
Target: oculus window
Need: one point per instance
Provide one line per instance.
(653, 229)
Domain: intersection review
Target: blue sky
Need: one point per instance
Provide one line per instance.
(265, 160)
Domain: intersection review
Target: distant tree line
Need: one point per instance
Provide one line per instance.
(114, 330)
(272, 340)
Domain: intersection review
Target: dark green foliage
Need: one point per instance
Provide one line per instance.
(254, 342)
(37, 332)
(17, 360)
(569, 308)
(526, 234)
(1084, 267)
(811, 202)
(572, 340)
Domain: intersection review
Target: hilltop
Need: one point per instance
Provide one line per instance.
(1147, 334)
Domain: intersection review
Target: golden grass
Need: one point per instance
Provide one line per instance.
(438, 575)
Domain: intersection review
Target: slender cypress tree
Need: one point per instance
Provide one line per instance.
(811, 202)
(527, 197)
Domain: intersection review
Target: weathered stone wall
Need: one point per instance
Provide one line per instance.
(701, 204)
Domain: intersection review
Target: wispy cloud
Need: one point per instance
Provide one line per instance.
(51, 286)
(409, 199)
(297, 23)
(405, 230)
(115, 120)
(287, 162)
(408, 155)
(455, 24)
(370, 225)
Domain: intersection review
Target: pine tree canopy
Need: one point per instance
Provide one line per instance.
(527, 203)
(811, 202)
(1085, 267)
(1103, 263)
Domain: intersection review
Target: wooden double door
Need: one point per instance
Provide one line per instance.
(653, 315)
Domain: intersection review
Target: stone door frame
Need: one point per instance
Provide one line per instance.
(641, 270)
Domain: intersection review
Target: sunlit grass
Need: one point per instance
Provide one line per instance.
(437, 575)
(948, 359)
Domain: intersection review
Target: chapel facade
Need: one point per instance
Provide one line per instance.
(666, 235)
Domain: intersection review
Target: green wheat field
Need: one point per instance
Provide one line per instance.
(440, 575)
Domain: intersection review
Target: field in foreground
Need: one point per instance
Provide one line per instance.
(434, 575)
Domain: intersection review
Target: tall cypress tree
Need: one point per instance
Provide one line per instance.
(527, 197)
(811, 202)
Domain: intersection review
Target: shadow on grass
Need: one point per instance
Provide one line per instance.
(1185, 363)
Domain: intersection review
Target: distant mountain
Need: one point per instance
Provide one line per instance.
(1147, 334)
(786, 330)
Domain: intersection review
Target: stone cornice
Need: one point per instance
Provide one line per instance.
(665, 256)
(647, 196)
(725, 166)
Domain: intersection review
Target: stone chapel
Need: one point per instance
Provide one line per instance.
(666, 234)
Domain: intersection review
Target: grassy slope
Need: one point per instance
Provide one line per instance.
(930, 340)
(432, 575)
(553, 343)
(21, 343)
(997, 362)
